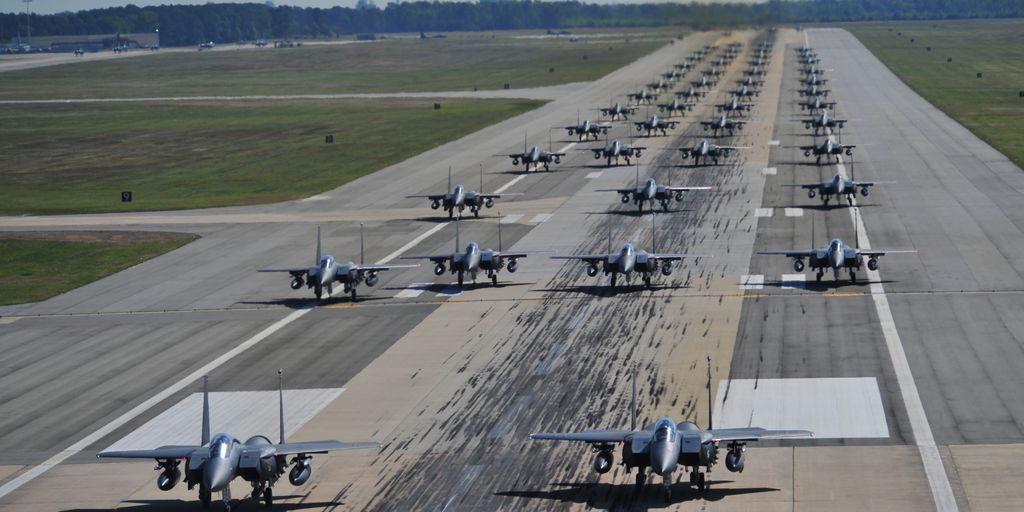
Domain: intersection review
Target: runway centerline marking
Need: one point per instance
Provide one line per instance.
(120, 421)
(764, 212)
(794, 212)
(412, 243)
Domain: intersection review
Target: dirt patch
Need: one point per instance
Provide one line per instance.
(104, 237)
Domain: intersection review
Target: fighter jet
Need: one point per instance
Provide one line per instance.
(837, 186)
(629, 259)
(704, 82)
(684, 66)
(459, 198)
(723, 123)
(744, 92)
(809, 59)
(815, 103)
(617, 110)
(649, 192)
(674, 107)
(704, 150)
(643, 97)
(755, 71)
(828, 148)
(616, 149)
(585, 129)
(325, 271)
(217, 460)
(811, 70)
(665, 445)
(813, 80)
(836, 256)
(691, 94)
(655, 124)
(472, 260)
(537, 157)
(660, 85)
(713, 72)
(757, 62)
(822, 122)
(750, 82)
(672, 75)
(734, 106)
(814, 91)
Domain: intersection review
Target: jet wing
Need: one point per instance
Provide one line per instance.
(380, 268)
(619, 190)
(302, 270)
(436, 258)
(586, 257)
(685, 189)
(816, 186)
(791, 254)
(163, 452)
(756, 434)
(675, 256)
(321, 447)
(587, 436)
(883, 252)
(432, 197)
(513, 254)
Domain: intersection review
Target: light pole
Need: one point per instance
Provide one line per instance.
(28, 20)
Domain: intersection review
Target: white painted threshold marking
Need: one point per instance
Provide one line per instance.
(769, 171)
(752, 281)
(773, 143)
(764, 212)
(242, 414)
(511, 219)
(173, 388)
(794, 212)
(942, 491)
(541, 217)
(413, 290)
(794, 281)
(594, 174)
(832, 408)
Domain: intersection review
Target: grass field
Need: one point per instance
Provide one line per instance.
(989, 106)
(393, 65)
(37, 266)
(78, 158)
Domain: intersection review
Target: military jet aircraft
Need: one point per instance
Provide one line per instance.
(836, 256)
(823, 122)
(828, 148)
(704, 150)
(704, 82)
(813, 80)
(217, 460)
(660, 85)
(713, 72)
(537, 157)
(815, 103)
(811, 70)
(723, 123)
(325, 271)
(616, 149)
(672, 75)
(643, 96)
(837, 186)
(617, 111)
(473, 260)
(675, 106)
(649, 192)
(665, 445)
(585, 129)
(809, 59)
(814, 91)
(758, 62)
(750, 82)
(744, 92)
(458, 198)
(734, 106)
(629, 259)
(755, 71)
(691, 94)
(684, 66)
(655, 124)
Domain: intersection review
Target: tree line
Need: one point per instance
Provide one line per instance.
(181, 25)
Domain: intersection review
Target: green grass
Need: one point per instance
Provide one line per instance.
(28, 270)
(394, 65)
(78, 158)
(989, 106)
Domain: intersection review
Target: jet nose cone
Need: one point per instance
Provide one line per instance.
(662, 463)
(216, 475)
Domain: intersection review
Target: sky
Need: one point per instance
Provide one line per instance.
(54, 6)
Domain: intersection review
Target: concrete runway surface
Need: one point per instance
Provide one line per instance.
(451, 384)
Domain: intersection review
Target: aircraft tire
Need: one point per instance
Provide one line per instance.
(641, 479)
(353, 293)
(701, 482)
(494, 279)
(268, 497)
(461, 278)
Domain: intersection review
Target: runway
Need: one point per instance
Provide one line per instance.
(451, 384)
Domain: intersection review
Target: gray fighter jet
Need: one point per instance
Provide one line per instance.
(712, 72)
(734, 106)
(755, 71)
(828, 149)
(474, 260)
(691, 94)
(663, 446)
(216, 461)
(537, 157)
(326, 271)
(815, 103)
(813, 79)
(814, 91)
(655, 124)
(684, 66)
(704, 150)
(745, 92)
(616, 149)
(704, 82)
(583, 130)
(838, 186)
(723, 123)
(617, 111)
(811, 70)
(643, 96)
(674, 107)
(836, 256)
(629, 259)
(659, 86)
(823, 122)
(458, 198)
(750, 82)
(672, 75)
(650, 191)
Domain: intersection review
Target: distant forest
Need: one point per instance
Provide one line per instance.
(182, 25)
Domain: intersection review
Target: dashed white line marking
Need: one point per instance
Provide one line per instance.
(769, 171)
(412, 243)
(413, 290)
(773, 143)
(794, 281)
(540, 217)
(794, 212)
(509, 184)
(752, 281)
(594, 174)
(511, 219)
(764, 212)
